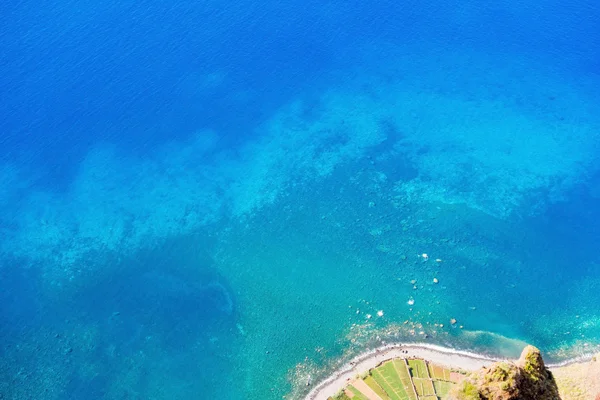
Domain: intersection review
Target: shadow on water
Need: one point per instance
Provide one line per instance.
(160, 298)
(570, 226)
(163, 310)
(19, 303)
(170, 298)
(567, 271)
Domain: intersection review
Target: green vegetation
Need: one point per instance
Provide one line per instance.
(357, 393)
(524, 379)
(341, 395)
(424, 387)
(402, 379)
(467, 391)
(387, 377)
(527, 379)
(442, 388)
(405, 378)
(418, 368)
(376, 388)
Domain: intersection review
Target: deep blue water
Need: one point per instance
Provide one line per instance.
(77, 74)
(180, 184)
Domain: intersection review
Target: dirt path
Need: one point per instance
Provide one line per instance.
(436, 354)
(365, 389)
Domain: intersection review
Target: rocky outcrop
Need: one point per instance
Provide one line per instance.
(527, 379)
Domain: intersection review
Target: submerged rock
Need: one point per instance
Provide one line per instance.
(527, 379)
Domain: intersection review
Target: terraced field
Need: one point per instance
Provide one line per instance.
(401, 379)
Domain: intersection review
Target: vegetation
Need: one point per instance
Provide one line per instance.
(527, 379)
(467, 391)
(403, 379)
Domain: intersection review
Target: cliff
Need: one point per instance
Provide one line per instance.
(527, 379)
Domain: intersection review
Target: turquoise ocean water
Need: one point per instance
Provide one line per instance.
(215, 201)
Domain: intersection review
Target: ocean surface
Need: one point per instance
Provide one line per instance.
(222, 200)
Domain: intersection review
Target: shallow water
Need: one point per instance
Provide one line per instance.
(208, 201)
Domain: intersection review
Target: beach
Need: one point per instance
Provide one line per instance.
(436, 354)
(439, 355)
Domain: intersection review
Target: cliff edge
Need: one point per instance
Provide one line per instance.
(527, 379)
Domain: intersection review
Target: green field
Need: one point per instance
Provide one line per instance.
(418, 369)
(403, 379)
(376, 388)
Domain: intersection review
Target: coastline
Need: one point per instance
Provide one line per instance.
(440, 355)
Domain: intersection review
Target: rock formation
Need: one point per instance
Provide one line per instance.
(527, 379)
